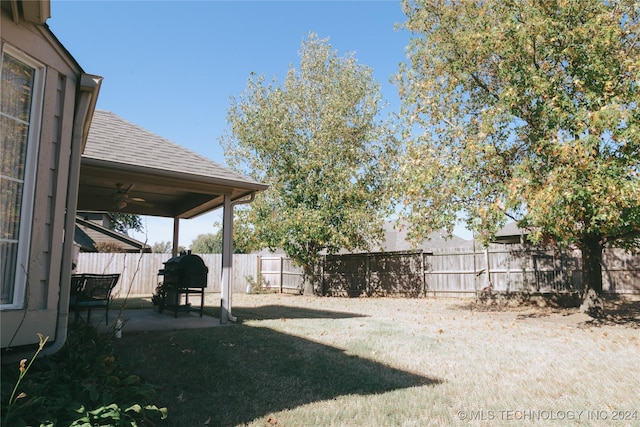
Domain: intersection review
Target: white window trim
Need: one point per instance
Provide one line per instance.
(30, 177)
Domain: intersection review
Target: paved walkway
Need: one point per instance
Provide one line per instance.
(143, 320)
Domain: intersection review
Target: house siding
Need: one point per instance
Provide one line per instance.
(40, 315)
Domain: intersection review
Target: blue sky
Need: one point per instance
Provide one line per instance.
(171, 66)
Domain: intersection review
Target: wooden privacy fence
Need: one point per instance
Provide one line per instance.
(506, 268)
(462, 272)
(139, 272)
(280, 273)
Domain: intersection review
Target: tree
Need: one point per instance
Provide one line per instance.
(527, 110)
(316, 141)
(123, 222)
(210, 243)
(161, 247)
(109, 247)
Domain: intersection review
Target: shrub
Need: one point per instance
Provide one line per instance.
(81, 385)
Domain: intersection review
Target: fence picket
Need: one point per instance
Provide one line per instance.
(449, 272)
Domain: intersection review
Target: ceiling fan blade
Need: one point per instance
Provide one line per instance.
(139, 202)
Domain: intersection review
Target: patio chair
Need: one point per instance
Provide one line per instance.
(91, 291)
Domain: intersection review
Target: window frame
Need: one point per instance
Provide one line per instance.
(20, 284)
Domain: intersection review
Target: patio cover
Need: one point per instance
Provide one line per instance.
(125, 168)
(173, 181)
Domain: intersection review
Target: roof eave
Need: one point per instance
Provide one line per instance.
(179, 176)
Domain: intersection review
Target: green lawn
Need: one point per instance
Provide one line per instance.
(300, 361)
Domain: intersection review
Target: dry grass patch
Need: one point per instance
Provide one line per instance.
(299, 361)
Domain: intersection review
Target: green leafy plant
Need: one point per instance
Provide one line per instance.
(24, 368)
(257, 286)
(158, 294)
(81, 385)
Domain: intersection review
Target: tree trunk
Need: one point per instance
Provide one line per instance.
(308, 280)
(591, 246)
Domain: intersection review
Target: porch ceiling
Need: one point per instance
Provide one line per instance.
(125, 168)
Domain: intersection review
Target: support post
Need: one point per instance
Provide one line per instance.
(227, 255)
(227, 261)
(176, 235)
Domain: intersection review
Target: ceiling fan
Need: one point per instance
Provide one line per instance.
(121, 198)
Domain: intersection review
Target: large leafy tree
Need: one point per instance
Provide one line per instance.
(211, 243)
(524, 109)
(123, 222)
(317, 141)
(161, 247)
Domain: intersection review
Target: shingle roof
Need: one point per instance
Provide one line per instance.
(511, 229)
(396, 240)
(88, 234)
(113, 139)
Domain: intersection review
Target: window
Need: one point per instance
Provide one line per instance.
(20, 105)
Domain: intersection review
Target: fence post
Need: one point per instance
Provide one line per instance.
(281, 273)
(423, 273)
(367, 274)
(259, 272)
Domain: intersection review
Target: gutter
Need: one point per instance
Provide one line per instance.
(174, 175)
(86, 98)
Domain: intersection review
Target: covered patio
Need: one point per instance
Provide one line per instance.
(125, 168)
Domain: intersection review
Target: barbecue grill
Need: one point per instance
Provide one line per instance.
(185, 274)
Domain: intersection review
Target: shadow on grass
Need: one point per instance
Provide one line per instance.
(266, 312)
(618, 311)
(232, 376)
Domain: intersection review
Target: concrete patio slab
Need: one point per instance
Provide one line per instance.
(145, 320)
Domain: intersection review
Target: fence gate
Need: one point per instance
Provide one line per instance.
(279, 273)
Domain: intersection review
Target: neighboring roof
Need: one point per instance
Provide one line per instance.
(88, 234)
(396, 241)
(82, 239)
(510, 233)
(172, 180)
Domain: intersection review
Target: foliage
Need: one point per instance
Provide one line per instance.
(80, 385)
(165, 248)
(109, 247)
(161, 247)
(526, 110)
(123, 222)
(257, 286)
(211, 243)
(23, 369)
(315, 140)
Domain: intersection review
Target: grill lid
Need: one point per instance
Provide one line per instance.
(186, 261)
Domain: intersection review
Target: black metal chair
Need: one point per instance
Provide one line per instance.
(91, 291)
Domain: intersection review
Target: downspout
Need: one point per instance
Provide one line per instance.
(85, 106)
(227, 256)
